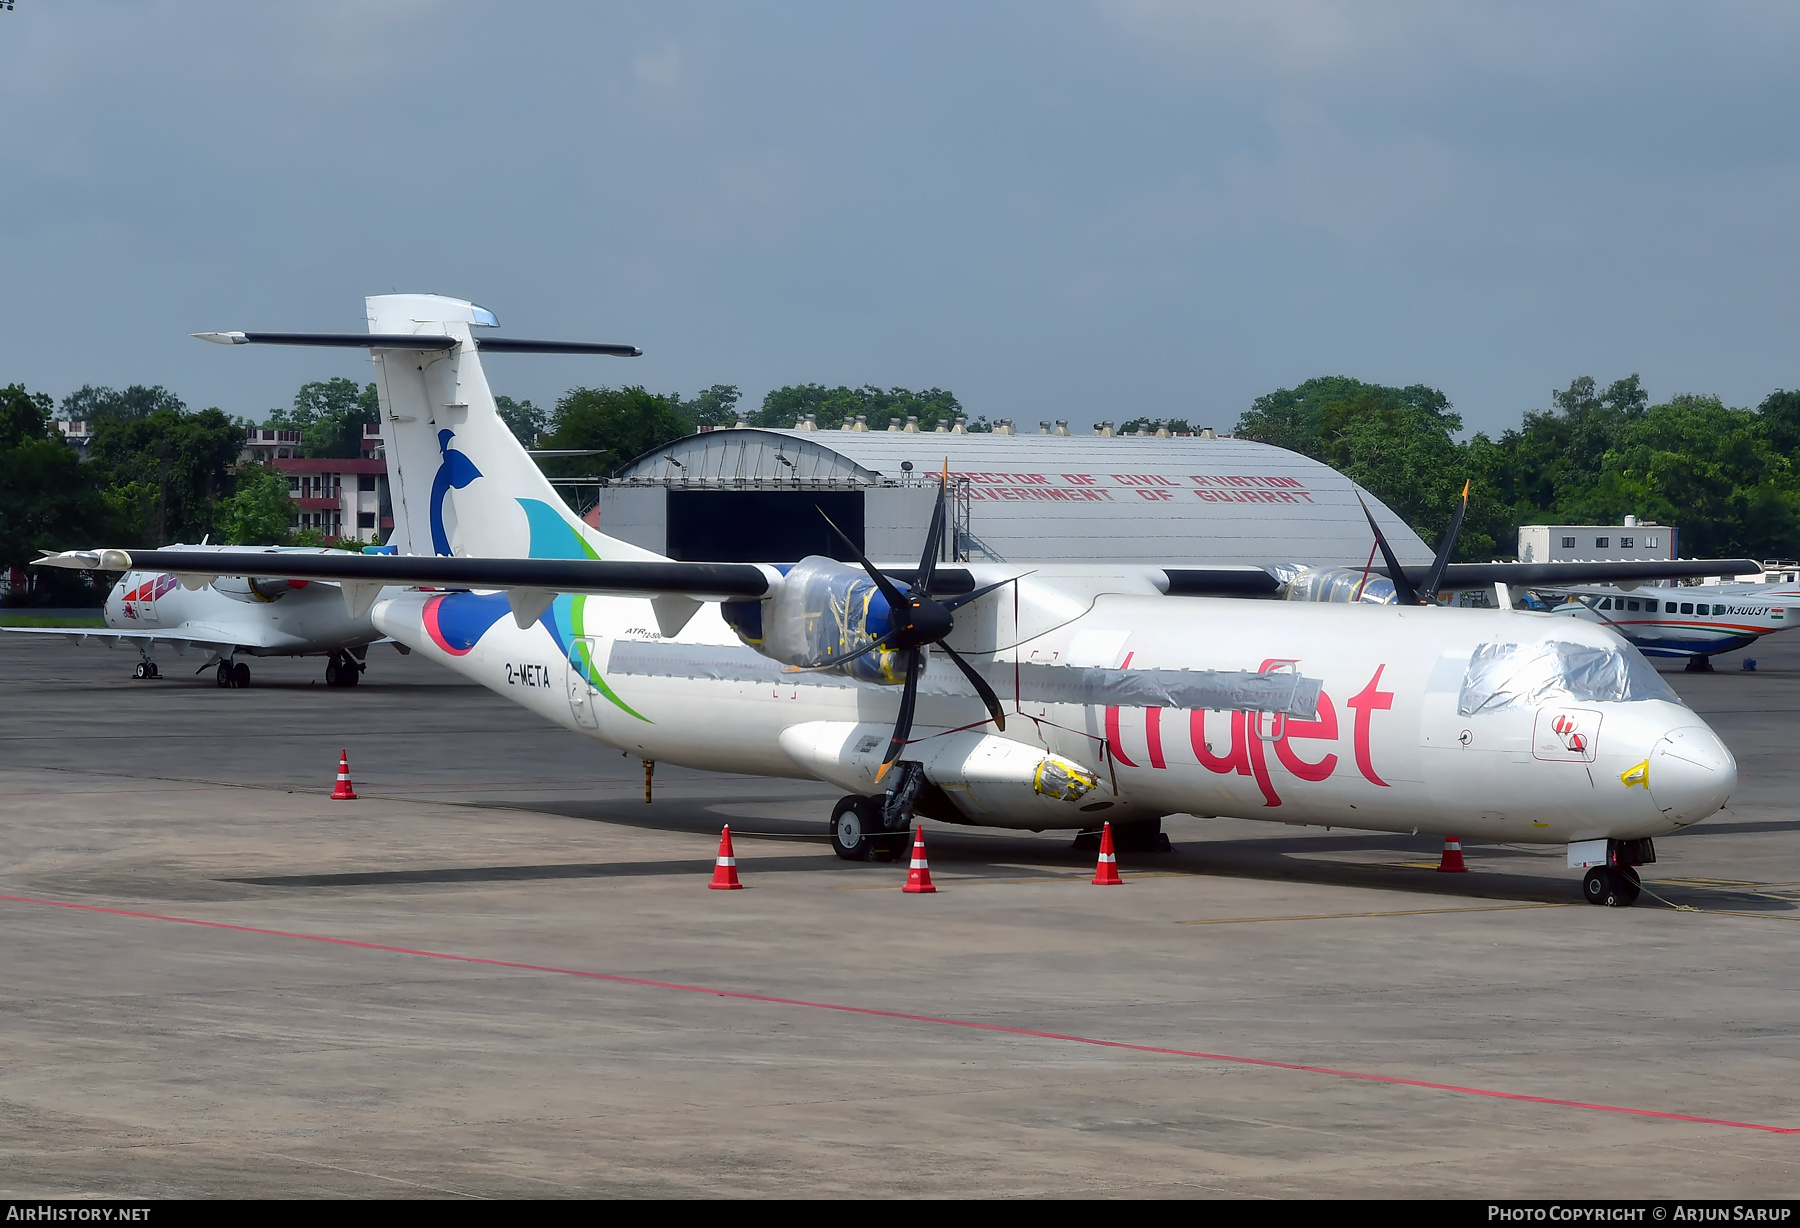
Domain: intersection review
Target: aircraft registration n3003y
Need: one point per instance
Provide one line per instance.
(1029, 697)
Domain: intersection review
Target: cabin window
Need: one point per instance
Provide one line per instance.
(1668, 607)
(1687, 607)
(1632, 605)
(1502, 676)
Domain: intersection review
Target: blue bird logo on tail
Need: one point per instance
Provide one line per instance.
(456, 472)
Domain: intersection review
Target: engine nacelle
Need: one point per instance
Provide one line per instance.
(1341, 585)
(822, 612)
(255, 589)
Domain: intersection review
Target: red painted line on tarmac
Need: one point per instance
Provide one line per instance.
(875, 1012)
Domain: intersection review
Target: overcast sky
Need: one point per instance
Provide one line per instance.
(1078, 210)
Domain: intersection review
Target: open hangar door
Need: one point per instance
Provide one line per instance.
(887, 523)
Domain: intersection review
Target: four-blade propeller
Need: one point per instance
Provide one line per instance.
(916, 621)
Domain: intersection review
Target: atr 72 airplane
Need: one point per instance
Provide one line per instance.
(257, 616)
(1031, 697)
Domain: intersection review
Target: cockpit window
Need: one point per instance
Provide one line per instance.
(1502, 676)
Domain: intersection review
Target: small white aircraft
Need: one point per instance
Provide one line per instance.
(229, 617)
(1034, 697)
(1696, 622)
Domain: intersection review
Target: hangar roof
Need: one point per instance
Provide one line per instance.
(1044, 497)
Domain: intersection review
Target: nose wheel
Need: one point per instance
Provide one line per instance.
(1610, 886)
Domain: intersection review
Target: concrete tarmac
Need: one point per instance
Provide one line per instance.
(500, 974)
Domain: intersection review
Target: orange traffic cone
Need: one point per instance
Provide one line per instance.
(1452, 862)
(1106, 870)
(725, 868)
(344, 792)
(918, 877)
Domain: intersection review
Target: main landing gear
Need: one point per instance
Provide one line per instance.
(876, 828)
(1699, 665)
(343, 670)
(146, 669)
(233, 674)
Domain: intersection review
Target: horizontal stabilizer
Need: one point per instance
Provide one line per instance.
(412, 341)
(521, 345)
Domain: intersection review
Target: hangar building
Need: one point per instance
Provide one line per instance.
(749, 494)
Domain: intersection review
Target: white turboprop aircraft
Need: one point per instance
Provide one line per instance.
(257, 616)
(1695, 622)
(1057, 696)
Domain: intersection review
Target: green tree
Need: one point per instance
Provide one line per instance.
(330, 415)
(47, 500)
(258, 511)
(783, 407)
(618, 424)
(164, 472)
(93, 403)
(717, 406)
(1398, 443)
(525, 420)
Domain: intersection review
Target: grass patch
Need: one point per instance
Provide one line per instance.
(46, 620)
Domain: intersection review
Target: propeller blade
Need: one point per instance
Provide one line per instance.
(980, 684)
(1403, 588)
(934, 537)
(1435, 577)
(895, 598)
(909, 698)
(956, 603)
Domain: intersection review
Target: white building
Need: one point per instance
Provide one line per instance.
(1588, 543)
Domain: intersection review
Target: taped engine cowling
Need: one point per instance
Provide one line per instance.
(985, 775)
(822, 612)
(1339, 585)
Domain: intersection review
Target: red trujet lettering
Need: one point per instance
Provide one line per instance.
(1324, 727)
(1112, 737)
(1367, 702)
(1236, 760)
(1153, 734)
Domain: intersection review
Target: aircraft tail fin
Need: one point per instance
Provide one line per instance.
(461, 483)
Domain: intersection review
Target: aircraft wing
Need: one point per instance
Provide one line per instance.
(82, 634)
(741, 581)
(1565, 575)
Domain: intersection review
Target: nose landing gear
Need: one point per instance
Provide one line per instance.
(1611, 887)
(1613, 882)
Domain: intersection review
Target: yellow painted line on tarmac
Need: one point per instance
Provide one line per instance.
(1345, 916)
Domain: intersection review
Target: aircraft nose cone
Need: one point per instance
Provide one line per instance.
(1691, 774)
